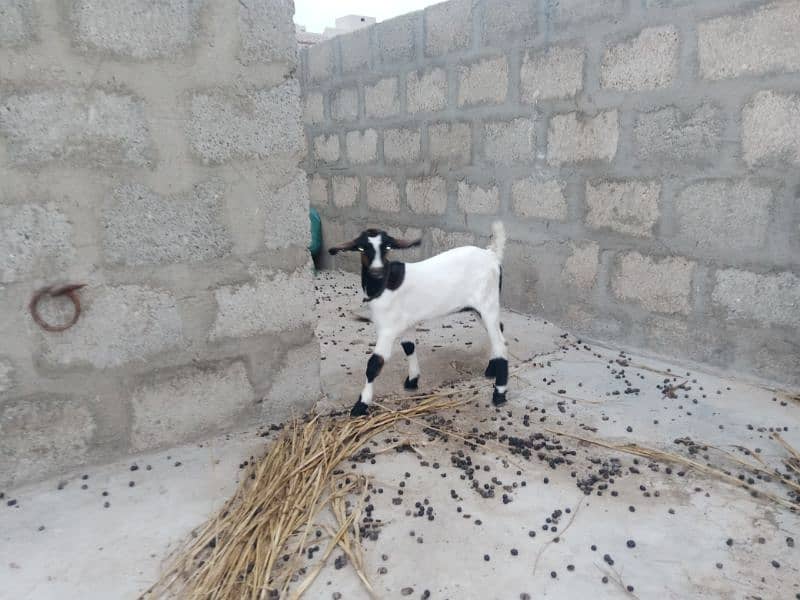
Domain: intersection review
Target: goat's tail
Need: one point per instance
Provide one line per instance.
(498, 243)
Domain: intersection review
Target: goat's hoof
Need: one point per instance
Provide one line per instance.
(411, 384)
(491, 369)
(359, 409)
(498, 399)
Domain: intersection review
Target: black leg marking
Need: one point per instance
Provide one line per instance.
(374, 366)
(491, 369)
(410, 384)
(501, 372)
(502, 328)
(501, 380)
(359, 409)
(497, 398)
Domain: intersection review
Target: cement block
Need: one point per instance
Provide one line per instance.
(344, 104)
(645, 62)
(771, 129)
(320, 61)
(447, 240)
(426, 91)
(6, 376)
(509, 142)
(677, 336)
(82, 127)
(326, 148)
(318, 190)
(580, 268)
(567, 12)
(138, 30)
(553, 73)
(42, 435)
(17, 23)
(395, 39)
(382, 99)
(537, 267)
(450, 143)
(659, 285)
(479, 200)
(335, 232)
(519, 292)
(483, 82)
(724, 215)
(448, 27)
(190, 403)
(345, 191)
(629, 207)
(296, 386)
(118, 325)
(141, 227)
(427, 195)
(264, 123)
(355, 50)
(668, 138)
(507, 21)
(383, 194)
(35, 241)
(539, 199)
(401, 146)
(771, 299)
(362, 146)
(267, 31)
(586, 320)
(408, 233)
(241, 309)
(760, 41)
(574, 137)
(770, 356)
(313, 110)
(286, 213)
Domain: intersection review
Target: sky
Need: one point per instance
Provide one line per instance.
(316, 15)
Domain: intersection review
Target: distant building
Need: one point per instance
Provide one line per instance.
(344, 24)
(347, 24)
(306, 38)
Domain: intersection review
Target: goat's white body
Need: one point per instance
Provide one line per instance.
(464, 277)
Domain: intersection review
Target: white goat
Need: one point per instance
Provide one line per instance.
(400, 295)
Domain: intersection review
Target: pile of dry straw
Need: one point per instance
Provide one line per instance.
(240, 552)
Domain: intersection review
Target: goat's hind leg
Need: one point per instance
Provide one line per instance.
(412, 381)
(498, 364)
(382, 353)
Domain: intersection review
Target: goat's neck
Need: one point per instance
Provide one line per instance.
(392, 277)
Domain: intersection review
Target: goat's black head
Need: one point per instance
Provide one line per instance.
(374, 244)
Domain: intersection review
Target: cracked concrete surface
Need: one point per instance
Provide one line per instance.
(669, 532)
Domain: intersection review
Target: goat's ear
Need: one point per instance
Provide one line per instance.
(403, 244)
(346, 247)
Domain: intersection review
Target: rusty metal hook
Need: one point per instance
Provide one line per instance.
(55, 291)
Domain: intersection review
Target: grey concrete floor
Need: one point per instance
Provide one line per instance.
(669, 533)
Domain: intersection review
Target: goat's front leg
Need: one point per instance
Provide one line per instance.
(412, 381)
(382, 353)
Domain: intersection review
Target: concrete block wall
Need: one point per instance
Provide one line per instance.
(643, 155)
(151, 150)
